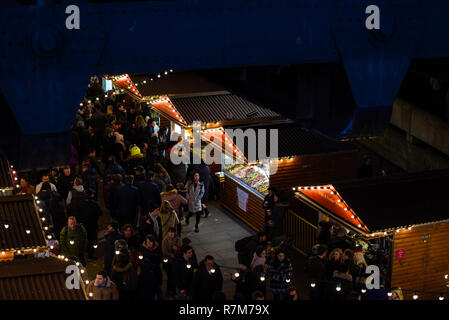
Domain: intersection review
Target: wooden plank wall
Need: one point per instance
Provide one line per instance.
(315, 169)
(254, 218)
(425, 263)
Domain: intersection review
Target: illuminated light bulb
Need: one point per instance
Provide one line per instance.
(360, 226)
(441, 298)
(332, 192)
(66, 259)
(140, 257)
(212, 270)
(262, 278)
(445, 277)
(105, 95)
(165, 260)
(339, 200)
(95, 246)
(6, 226)
(165, 72)
(158, 75)
(36, 198)
(77, 264)
(17, 186)
(72, 242)
(82, 271)
(81, 104)
(28, 231)
(352, 216)
(52, 247)
(3, 252)
(338, 288)
(415, 296)
(88, 101)
(45, 228)
(171, 70)
(144, 81)
(18, 251)
(14, 172)
(385, 233)
(287, 280)
(293, 188)
(49, 236)
(363, 290)
(87, 281)
(97, 98)
(188, 266)
(15, 178)
(390, 294)
(397, 230)
(410, 228)
(236, 274)
(41, 210)
(91, 294)
(313, 285)
(117, 252)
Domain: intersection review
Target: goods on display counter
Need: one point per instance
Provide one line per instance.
(252, 176)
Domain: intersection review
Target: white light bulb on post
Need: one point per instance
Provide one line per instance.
(338, 288)
(212, 270)
(236, 274)
(313, 285)
(72, 242)
(165, 260)
(188, 266)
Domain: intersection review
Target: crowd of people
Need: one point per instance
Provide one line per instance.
(336, 269)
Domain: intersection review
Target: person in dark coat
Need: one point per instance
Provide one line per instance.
(324, 236)
(354, 270)
(75, 197)
(207, 280)
(112, 234)
(151, 250)
(184, 268)
(109, 187)
(90, 212)
(150, 193)
(247, 246)
(147, 280)
(245, 283)
(65, 182)
(54, 209)
(280, 272)
(268, 201)
(113, 167)
(340, 285)
(125, 276)
(316, 270)
(340, 240)
(126, 199)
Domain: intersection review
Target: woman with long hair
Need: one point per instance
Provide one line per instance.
(161, 177)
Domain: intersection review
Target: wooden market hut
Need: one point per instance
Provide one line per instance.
(37, 279)
(21, 231)
(406, 215)
(303, 155)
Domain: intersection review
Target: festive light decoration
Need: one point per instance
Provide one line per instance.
(212, 270)
(188, 266)
(313, 284)
(415, 295)
(236, 274)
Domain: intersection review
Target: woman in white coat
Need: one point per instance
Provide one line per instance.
(195, 191)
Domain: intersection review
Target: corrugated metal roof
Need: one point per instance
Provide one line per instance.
(174, 83)
(223, 107)
(400, 200)
(20, 213)
(5, 175)
(36, 279)
(293, 140)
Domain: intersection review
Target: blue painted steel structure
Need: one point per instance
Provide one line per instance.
(44, 67)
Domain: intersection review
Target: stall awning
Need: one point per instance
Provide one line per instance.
(385, 204)
(37, 279)
(219, 139)
(124, 81)
(165, 107)
(326, 198)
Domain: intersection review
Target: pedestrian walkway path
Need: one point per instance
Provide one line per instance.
(217, 237)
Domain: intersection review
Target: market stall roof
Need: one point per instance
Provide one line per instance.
(125, 82)
(221, 108)
(384, 204)
(18, 215)
(293, 140)
(222, 142)
(5, 173)
(400, 200)
(165, 107)
(172, 84)
(37, 279)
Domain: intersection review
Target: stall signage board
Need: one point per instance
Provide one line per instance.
(400, 254)
(242, 197)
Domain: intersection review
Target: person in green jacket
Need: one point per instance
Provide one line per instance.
(73, 240)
